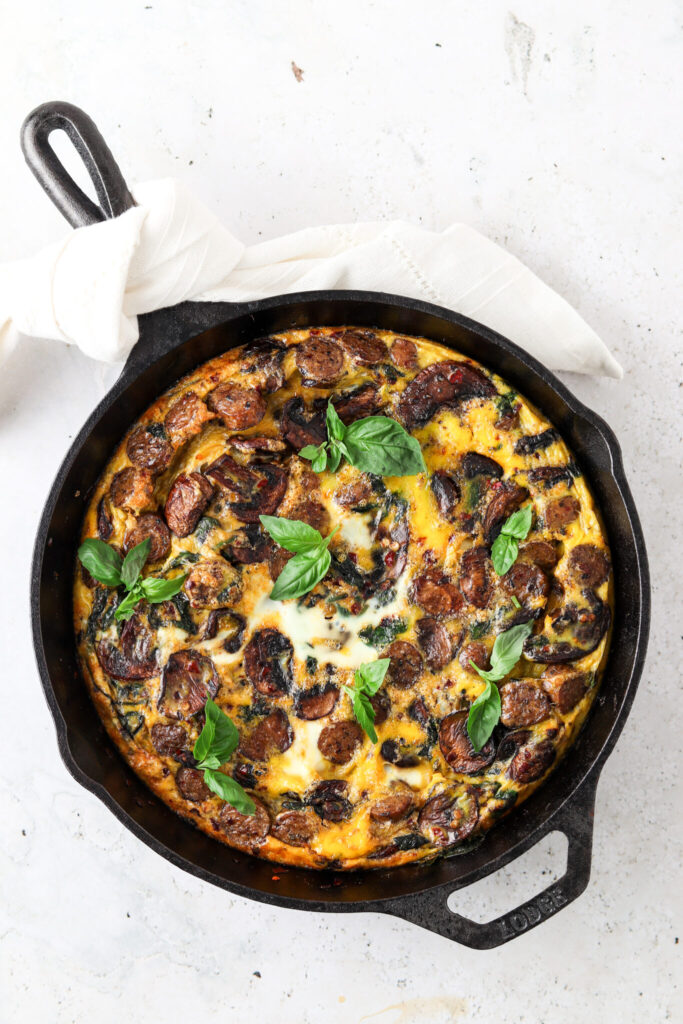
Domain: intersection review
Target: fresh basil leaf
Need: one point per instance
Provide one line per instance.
(334, 457)
(125, 609)
(484, 715)
(292, 534)
(515, 601)
(319, 462)
(519, 523)
(311, 451)
(225, 737)
(156, 589)
(133, 563)
(102, 561)
(301, 574)
(507, 650)
(229, 790)
(335, 428)
(381, 446)
(365, 714)
(369, 677)
(504, 553)
(204, 741)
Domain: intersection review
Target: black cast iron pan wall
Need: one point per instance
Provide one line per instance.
(173, 342)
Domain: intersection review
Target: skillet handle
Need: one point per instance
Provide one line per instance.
(110, 186)
(430, 909)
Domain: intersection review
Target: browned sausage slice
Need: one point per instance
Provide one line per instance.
(273, 733)
(149, 449)
(320, 361)
(308, 510)
(442, 384)
(268, 662)
(365, 347)
(523, 703)
(186, 418)
(526, 582)
(475, 652)
(406, 664)
(404, 354)
(245, 831)
(358, 493)
(561, 512)
(450, 817)
(434, 642)
(446, 492)
(532, 761)
(186, 501)
(300, 426)
(296, 828)
(188, 679)
(541, 553)
(565, 687)
(239, 408)
(457, 748)
(589, 565)
(212, 583)
(191, 785)
(317, 703)
(506, 500)
(168, 739)
(277, 560)
(135, 658)
(475, 583)
(152, 526)
(132, 489)
(358, 403)
(247, 445)
(395, 805)
(434, 592)
(338, 742)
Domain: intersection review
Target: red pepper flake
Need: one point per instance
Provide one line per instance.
(276, 878)
(261, 483)
(353, 557)
(455, 377)
(390, 558)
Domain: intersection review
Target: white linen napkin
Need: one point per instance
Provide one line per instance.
(88, 289)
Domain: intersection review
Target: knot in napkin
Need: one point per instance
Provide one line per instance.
(90, 288)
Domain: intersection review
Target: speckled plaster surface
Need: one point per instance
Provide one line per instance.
(551, 128)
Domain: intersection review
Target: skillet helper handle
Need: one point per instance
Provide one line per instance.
(110, 186)
(430, 909)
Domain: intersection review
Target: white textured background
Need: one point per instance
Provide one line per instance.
(550, 127)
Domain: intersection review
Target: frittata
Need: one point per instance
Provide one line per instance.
(411, 579)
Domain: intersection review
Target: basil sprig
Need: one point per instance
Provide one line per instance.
(505, 547)
(367, 680)
(215, 745)
(311, 558)
(485, 711)
(375, 444)
(105, 564)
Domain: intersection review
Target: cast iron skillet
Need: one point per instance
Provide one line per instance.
(173, 342)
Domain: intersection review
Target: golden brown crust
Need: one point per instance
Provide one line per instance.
(326, 795)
